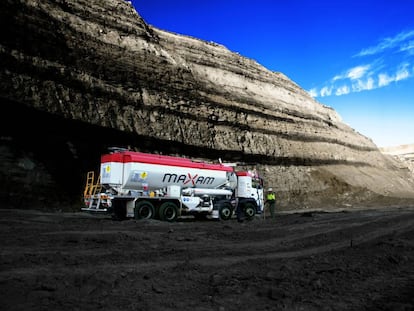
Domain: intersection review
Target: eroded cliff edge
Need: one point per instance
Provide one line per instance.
(79, 76)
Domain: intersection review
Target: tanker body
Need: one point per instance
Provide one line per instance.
(141, 185)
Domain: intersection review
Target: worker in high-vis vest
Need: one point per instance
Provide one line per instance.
(271, 201)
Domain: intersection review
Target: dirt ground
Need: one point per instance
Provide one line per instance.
(343, 260)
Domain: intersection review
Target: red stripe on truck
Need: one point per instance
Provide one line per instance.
(139, 157)
(246, 173)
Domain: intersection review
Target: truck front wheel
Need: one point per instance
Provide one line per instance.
(144, 210)
(225, 211)
(168, 211)
(249, 210)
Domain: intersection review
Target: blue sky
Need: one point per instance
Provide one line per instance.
(355, 56)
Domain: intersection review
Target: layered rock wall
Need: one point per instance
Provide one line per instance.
(102, 77)
(403, 153)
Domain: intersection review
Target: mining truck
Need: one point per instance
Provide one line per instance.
(151, 186)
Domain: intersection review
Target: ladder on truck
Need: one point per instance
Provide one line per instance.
(92, 193)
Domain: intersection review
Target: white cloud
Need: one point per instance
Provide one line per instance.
(402, 73)
(408, 47)
(326, 91)
(384, 79)
(363, 85)
(343, 90)
(388, 43)
(352, 73)
(313, 92)
(359, 79)
(357, 72)
(338, 77)
(393, 62)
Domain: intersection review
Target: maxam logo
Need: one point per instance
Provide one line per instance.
(186, 179)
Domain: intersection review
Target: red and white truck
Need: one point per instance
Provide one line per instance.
(144, 186)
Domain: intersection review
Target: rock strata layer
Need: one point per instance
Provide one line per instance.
(79, 76)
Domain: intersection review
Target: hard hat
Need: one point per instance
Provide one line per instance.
(270, 189)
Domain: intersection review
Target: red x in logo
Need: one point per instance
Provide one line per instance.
(191, 179)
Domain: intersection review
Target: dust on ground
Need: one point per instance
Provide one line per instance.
(314, 260)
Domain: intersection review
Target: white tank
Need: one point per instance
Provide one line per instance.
(140, 171)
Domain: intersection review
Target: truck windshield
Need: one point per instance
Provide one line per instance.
(257, 183)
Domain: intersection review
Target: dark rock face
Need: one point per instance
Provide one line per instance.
(80, 76)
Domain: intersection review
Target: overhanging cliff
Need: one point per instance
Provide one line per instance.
(79, 76)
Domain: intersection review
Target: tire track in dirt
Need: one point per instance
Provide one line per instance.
(358, 234)
(357, 239)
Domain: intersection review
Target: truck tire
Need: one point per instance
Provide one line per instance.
(225, 211)
(144, 210)
(249, 210)
(168, 211)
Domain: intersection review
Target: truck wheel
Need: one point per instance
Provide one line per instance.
(225, 211)
(168, 211)
(144, 210)
(249, 211)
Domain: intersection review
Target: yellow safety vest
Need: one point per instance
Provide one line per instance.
(271, 197)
